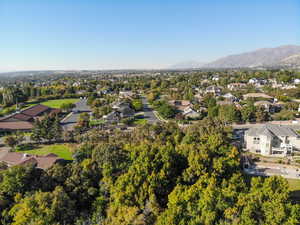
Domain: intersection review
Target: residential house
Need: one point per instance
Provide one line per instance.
(126, 112)
(126, 94)
(268, 106)
(24, 119)
(76, 84)
(257, 82)
(121, 110)
(236, 86)
(230, 97)
(198, 97)
(288, 86)
(272, 140)
(180, 105)
(124, 109)
(189, 113)
(112, 117)
(297, 81)
(18, 158)
(215, 78)
(213, 90)
(257, 95)
(120, 104)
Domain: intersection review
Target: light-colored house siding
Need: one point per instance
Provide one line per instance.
(272, 140)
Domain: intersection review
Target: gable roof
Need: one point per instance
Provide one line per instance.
(256, 95)
(16, 116)
(18, 158)
(228, 95)
(18, 125)
(258, 103)
(36, 110)
(272, 130)
(21, 116)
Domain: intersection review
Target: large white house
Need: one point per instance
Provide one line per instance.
(271, 139)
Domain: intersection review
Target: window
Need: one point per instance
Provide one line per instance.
(256, 140)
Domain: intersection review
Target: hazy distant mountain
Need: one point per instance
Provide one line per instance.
(187, 65)
(291, 61)
(286, 56)
(280, 56)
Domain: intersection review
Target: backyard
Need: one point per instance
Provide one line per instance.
(294, 185)
(61, 150)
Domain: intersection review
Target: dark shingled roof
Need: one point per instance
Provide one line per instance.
(21, 116)
(36, 110)
(16, 116)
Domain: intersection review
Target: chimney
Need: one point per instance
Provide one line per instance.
(25, 155)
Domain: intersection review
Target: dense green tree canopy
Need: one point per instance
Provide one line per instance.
(157, 174)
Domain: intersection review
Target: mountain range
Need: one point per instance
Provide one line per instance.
(282, 56)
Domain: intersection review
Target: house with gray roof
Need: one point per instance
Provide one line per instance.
(112, 117)
(272, 140)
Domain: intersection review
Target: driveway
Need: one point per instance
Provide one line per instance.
(271, 169)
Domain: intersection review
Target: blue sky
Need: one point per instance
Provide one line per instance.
(116, 34)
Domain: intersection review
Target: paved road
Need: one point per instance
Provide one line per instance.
(70, 121)
(271, 169)
(148, 112)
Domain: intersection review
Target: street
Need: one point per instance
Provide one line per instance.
(270, 169)
(148, 112)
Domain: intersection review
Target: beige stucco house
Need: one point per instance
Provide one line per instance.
(272, 140)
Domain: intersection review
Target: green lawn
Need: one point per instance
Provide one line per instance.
(61, 150)
(140, 121)
(294, 184)
(56, 103)
(95, 122)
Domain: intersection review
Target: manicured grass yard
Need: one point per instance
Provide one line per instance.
(95, 122)
(294, 184)
(56, 103)
(61, 150)
(140, 121)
